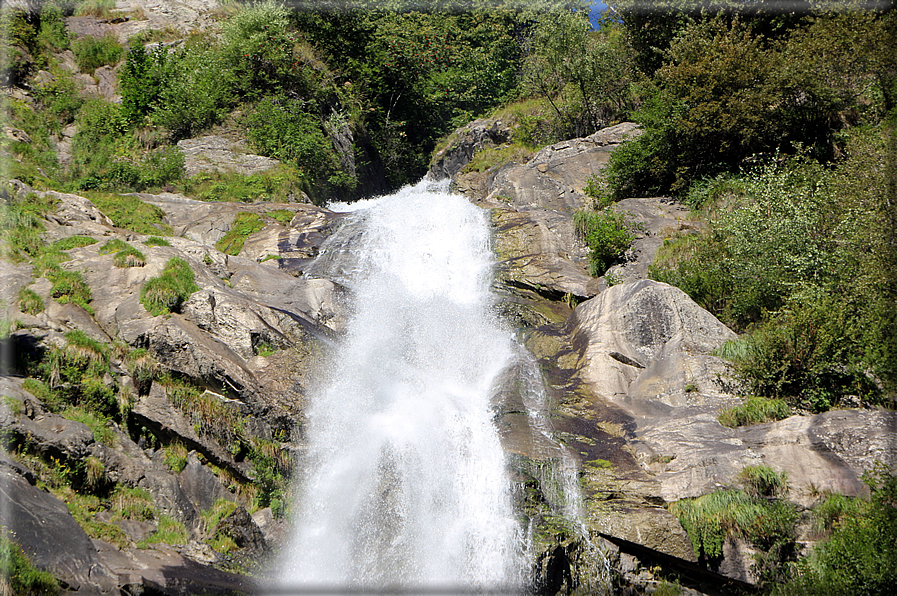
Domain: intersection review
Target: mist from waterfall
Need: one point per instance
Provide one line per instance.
(406, 482)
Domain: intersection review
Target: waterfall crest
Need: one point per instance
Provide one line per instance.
(407, 482)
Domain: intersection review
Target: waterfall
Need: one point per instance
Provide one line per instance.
(406, 482)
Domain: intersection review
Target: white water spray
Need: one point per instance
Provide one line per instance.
(406, 484)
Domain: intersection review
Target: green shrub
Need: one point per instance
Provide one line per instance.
(22, 577)
(166, 293)
(606, 235)
(244, 225)
(860, 556)
(754, 410)
(47, 396)
(30, 302)
(93, 52)
(59, 99)
(131, 213)
(156, 241)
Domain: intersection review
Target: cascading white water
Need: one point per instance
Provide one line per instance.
(406, 481)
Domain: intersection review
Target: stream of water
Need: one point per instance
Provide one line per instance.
(407, 485)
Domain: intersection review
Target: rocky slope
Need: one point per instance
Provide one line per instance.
(212, 394)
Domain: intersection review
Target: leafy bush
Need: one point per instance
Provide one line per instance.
(244, 225)
(754, 410)
(59, 99)
(166, 293)
(93, 52)
(606, 235)
(860, 556)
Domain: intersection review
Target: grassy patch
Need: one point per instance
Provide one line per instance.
(20, 575)
(98, 424)
(170, 531)
(281, 184)
(265, 349)
(84, 508)
(763, 482)
(166, 293)
(754, 410)
(498, 156)
(74, 242)
(284, 216)
(70, 286)
(132, 503)
(30, 302)
(175, 456)
(93, 52)
(156, 241)
(219, 511)
(709, 519)
(244, 225)
(113, 246)
(129, 257)
(131, 213)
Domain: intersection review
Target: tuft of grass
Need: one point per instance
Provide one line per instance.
(20, 575)
(166, 293)
(170, 531)
(30, 302)
(113, 246)
(70, 286)
(129, 257)
(219, 511)
(281, 184)
(284, 216)
(41, 391)
(132, 503)
(94, 471)
(709, 519)
(156, 241)
(74, 242)
(98, 424)
(84, 508)
(131, 213)
(244, 225)
(93, 52)
(763, 482)
(492, 157)
(754, 410)
(176, 456)
(95, 8)
(265, 349)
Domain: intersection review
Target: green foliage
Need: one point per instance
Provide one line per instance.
(84, 508)
(606, 234)
(98, 424)
(175, 456)
(30, 302)
(113, 246)
(860, 557)
(93, 52)
(21, 224)
(281, 184)
(156, 241)
(270, 466)
(219, 511)
(132, 503)
(74, 242)
(763, 482)
(70, 286)
(59, 99)
(170, 531)
(166, 293)
(754, 410)
(21, 576)
(131, 213)
(129, 257)
(283, 216)
(143, 369)
(140, 82)
(711, 518)
(244, 225)
(586, 76)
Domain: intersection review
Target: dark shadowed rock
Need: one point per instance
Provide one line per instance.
(464, 143)
(201, 485)
(41, 524)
